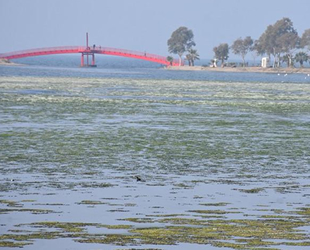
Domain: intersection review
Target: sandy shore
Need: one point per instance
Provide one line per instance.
(7, 62)
(243, 69)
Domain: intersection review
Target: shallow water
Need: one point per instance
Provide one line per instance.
(205, 150)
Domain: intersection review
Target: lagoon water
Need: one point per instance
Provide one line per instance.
(224, 157)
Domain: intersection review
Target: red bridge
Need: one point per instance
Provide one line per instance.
(89, 51)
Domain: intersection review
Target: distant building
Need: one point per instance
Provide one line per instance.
(265, 62)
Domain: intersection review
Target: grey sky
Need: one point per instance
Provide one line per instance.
(143, 25)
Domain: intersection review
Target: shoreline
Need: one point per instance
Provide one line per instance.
(6, 62)
(242, 69)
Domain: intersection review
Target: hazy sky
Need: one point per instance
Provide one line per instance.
(142, 25)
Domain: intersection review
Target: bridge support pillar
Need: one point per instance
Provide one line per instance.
(87, 54)
(93, 60)
(82, 60)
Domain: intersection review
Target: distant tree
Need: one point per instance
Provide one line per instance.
(265, 44)
(170, 59)
(277, 39)
(188, 58)
(221, 53)
(305, 40)
(242, 47)
(192, 56)
(286, 39)
(288, 44)
(301, 57)
(288, 60)
(180, 41)
(255, 51)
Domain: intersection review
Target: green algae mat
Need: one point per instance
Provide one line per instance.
(223, 165)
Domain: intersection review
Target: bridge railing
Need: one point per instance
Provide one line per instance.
(39, 50)
(137, 53)
(131, 52)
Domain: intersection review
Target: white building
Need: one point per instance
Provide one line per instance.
(265, 62)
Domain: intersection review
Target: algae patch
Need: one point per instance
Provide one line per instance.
(270, 231)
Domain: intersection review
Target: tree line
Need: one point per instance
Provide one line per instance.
(279, 41)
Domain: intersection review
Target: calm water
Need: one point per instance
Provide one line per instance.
(208, 146)
(114, 67)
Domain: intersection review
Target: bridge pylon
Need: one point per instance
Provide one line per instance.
(88, 52)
